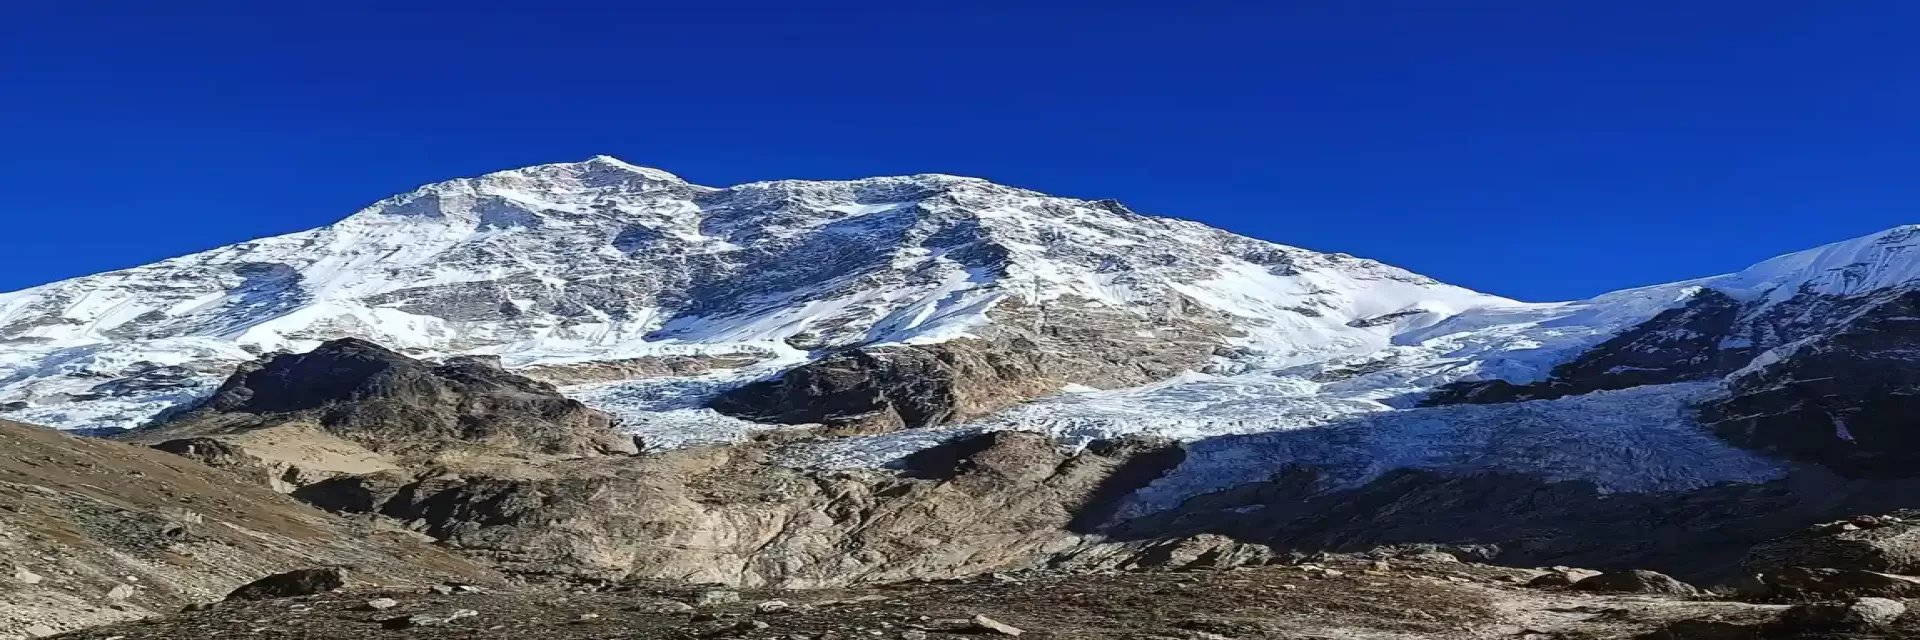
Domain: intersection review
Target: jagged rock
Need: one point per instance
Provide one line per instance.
(772, 606)
(1204, 550)
(1857, 614)
(120, 592)
(1889, 544)
(1635, 581)
(1804, 582)
(301, 582)
(388, 402)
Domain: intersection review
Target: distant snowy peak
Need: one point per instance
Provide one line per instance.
(1869, 263)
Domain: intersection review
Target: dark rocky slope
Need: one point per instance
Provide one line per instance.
(1030, 351)
(390, 403)
(1848, 400)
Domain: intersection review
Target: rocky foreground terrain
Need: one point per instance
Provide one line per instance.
(1425, 595)
(594, 400)
(461, 500)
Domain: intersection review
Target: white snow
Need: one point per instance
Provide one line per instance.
(604, 260)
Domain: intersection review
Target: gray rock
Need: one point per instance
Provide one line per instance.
(772, 606)
(1802, 582)
(1635, 581)
(389, 402)
(302, 582)
(120, 592)
(24, 576)
(714, 597)
(1858, 614)
(380, 604)
(1888, 544)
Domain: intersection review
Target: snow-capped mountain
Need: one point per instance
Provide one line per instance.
(602, 261)
(650, 296)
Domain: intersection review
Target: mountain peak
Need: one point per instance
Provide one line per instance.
(609, 162)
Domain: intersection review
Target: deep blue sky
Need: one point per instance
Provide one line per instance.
(1541, 150)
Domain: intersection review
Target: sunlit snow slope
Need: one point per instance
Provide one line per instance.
(580, 270)
(602, 261)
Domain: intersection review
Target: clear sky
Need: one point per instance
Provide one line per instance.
(1540, 150)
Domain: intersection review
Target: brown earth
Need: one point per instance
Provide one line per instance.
(93, 531)
(1346, 597)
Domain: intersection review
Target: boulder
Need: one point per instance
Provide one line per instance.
(1561, 577)
(1805, 583)
(1857, 614)
(1635, 581)
(302, 582)
(1888, 544)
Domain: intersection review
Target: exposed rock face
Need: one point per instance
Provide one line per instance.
(390, 403)
(299, 582)
(1710, 336)
(1846, 400)
(93, 531)
(1800, 583)
(1856, 614)
(1032, 351)
(722, 514)
(1889, 544)
(636, 368)
(1635, 581)
(1684, 343)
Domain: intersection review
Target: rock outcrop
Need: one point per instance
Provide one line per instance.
(724, 514)
(299, 582)
(1846, 400)
(394, 404)
(1031, 351)
(1889, 543)
(93, 531)
(1683, 343)
(1635, 581)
